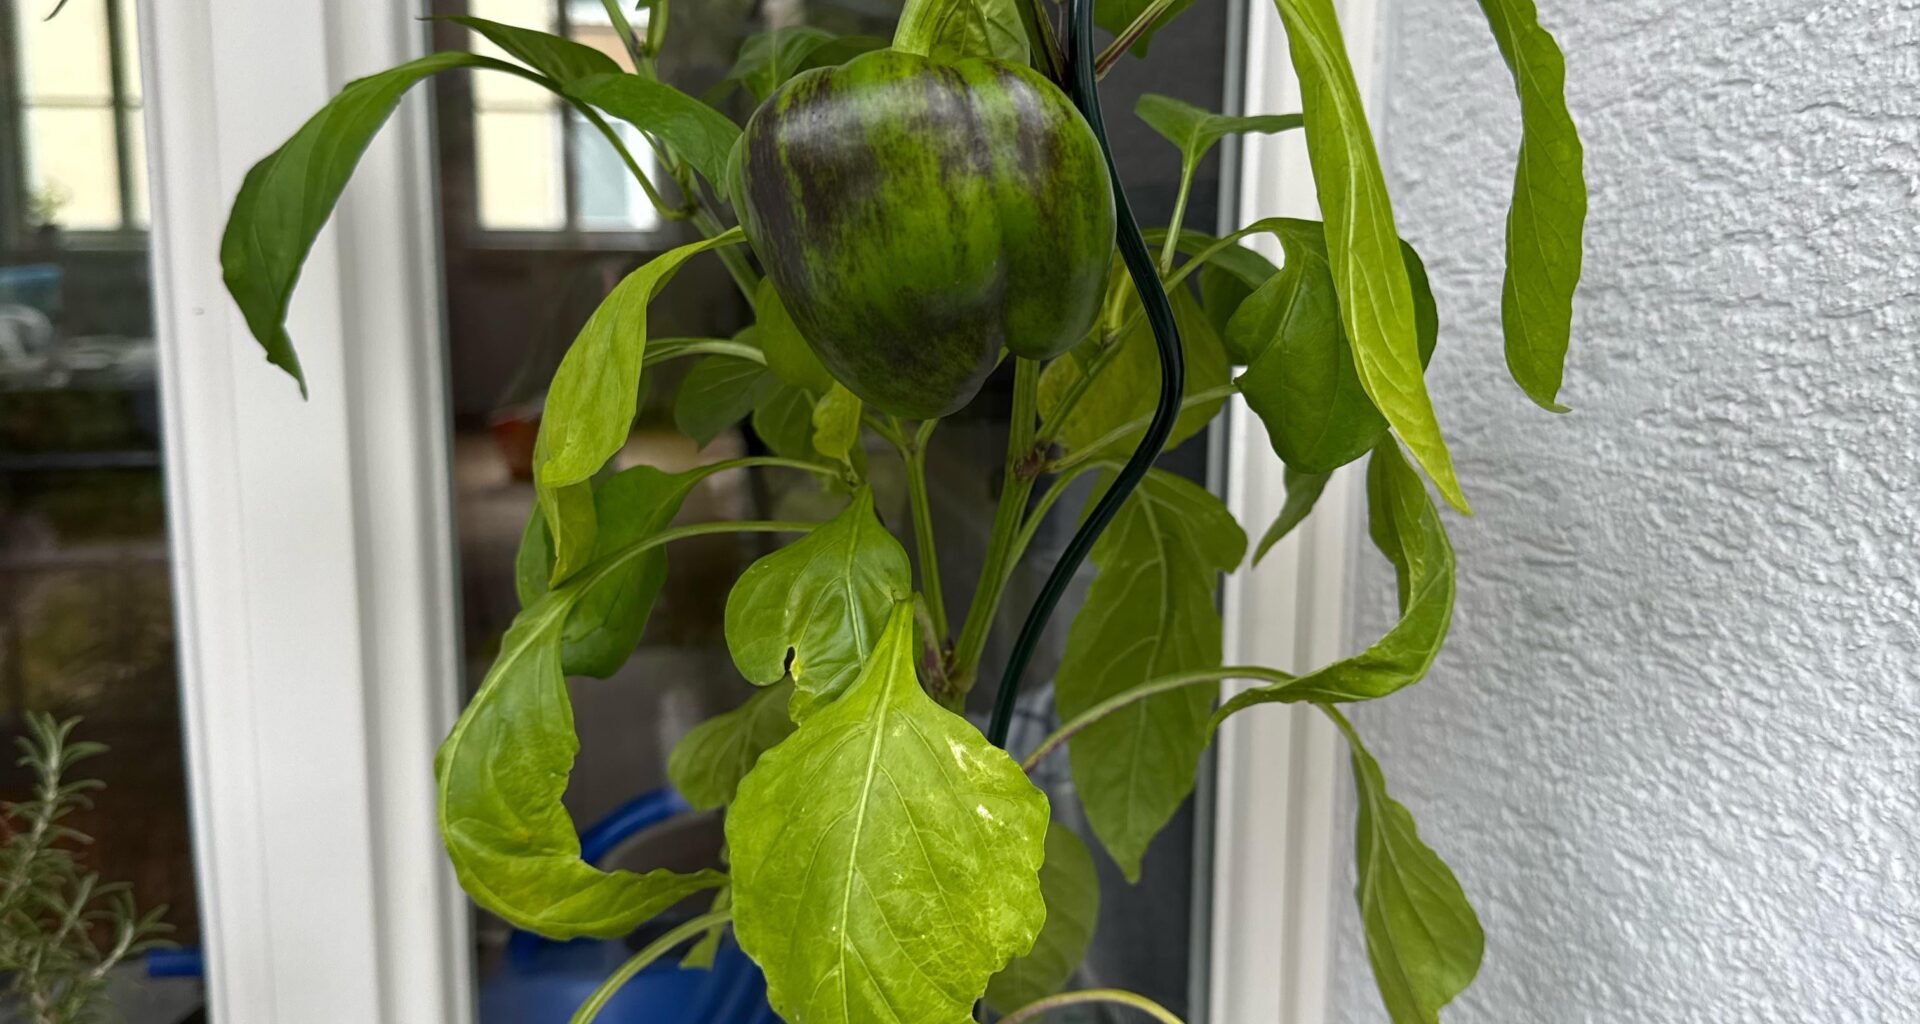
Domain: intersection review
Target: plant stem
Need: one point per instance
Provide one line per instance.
(1035, 1010)
(654, 951)
(1051, 497)
(1016, 486)
(914, 453)
(1150, 688)
(624, 29)
(1053, 63)
(1168, 248)
(658, 353)
(1128, 36)
(1093, 448)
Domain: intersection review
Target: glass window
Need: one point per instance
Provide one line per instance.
(86, 616)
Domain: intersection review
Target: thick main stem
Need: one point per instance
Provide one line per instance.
(1002, 549)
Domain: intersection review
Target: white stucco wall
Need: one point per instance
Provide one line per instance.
(1673, 748)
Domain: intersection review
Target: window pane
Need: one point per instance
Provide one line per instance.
(64, 57)
(518, 166)
(608, 197)
(491, 89)
(71, 175)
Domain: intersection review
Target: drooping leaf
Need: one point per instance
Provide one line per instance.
(286, 198)
(1303, 490)
(1376, 302)
(1194, 131)
(591, 403)
(1406, 527)
(947, 30)
(1149, 613)
(821, 600)
(1222, 291)
(609, 617)
(708, 763)
(1116, 15)
(836, 424)
(886, 857)
(556, 57)
(718, 392)
(1300, 379)
(1423, 938)
(767, 59)
(501, 773)
(701, 134)
(788, 355)
(1128, 387)
(784, 420)
(1071, 889)
(1549, 212)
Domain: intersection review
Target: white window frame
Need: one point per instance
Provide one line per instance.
(312, 541)
(1280, 782)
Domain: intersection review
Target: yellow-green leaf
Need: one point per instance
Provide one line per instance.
(1071, 889)
(708, 763)
(836, 424)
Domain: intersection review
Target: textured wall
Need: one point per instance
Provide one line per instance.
(1673, 748)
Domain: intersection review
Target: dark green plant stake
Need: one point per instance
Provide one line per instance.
(923, 211)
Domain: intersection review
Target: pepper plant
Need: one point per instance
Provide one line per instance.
(910, 217)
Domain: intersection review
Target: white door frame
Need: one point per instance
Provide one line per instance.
(312, 541)
(1279, 788)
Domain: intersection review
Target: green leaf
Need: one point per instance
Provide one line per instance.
(1195, 131)
(784, 420)
(701, 134)
(558, 58)
(609, 617)
(822, 600)
(886, 857)
(1300, 379)
(501, 774)
(708, 763)
(1128, 387)
(286, 198)
(700, 955)
(591, 403)
(1549, 212)
(836, 424)
(1071, 889)
(788, 354)
(1422, 935)
(1149, 613)
(1376, 302)
(718, 392)
(1405, 526)
(947, 30)
(767, 59)
(1116, 15)
(1303, 490)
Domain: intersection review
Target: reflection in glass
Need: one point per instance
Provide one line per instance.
(86, 621)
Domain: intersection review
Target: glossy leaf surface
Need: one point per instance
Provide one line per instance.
(949, 30)
(1376, 302)
(701, 134)
(1149, 613)
(814, 609)
(886, 857)
(1195, 130)
(1071, 888)
(558, 58)
(1549, 211)
(718, 392)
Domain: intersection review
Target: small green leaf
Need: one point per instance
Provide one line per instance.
(1195, 131)
(286, 198)
(558, 58)
(1549, 212)
(822, 600)
(718, 392)
(784, 420)
(591, 403)
(708, 763)
(609, 617)
(1303, 490)
(1300, 377)
(886, 857)
(788, 354)
(1071, 889)
(1128, 387)
(1116, 15)
(501, 773)
(701, 134)
(767, 59)
(1376, 302)
(1406, 527)
(947, 30)
(836, 424)
(1423, 937)
(1149, 613)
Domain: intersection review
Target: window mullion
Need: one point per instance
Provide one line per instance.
(569, 170)
(122, 137)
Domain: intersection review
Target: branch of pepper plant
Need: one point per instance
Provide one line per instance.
(1008, 517)
(1128, 36)
(1046, 42)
